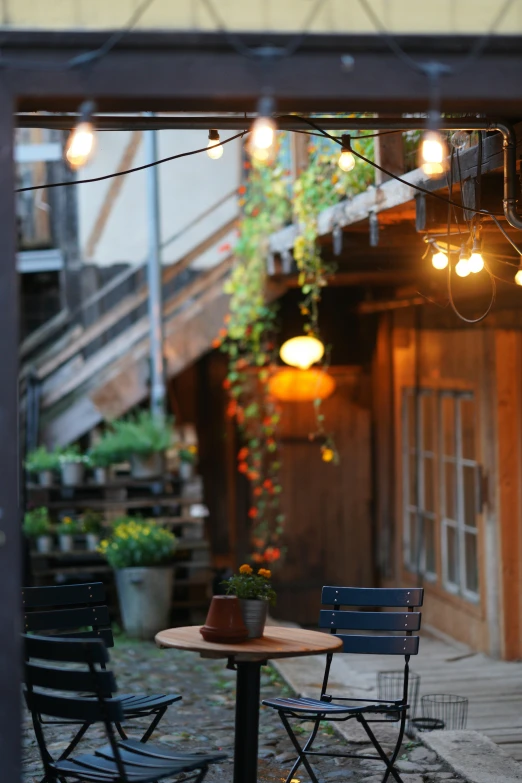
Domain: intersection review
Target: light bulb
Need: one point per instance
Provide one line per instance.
(518, 277)
(80, 145)
(346, 158)
(432, 154)
(302, 351)
(439, 260)
(460, 140)
(261, 144)
(463, 268)
(214, 150)
(476, 262)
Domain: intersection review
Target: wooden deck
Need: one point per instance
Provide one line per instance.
(494, 688)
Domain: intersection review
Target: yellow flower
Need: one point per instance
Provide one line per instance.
(265, 572)
(67, 521)
(327, 455)
(193, 449)
(245, 569)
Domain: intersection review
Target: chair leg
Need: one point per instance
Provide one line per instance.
(74, 742)
(301, 756)
(397, 749)
(119, 729)
(153, 725)
(389, 762)
(306, 747)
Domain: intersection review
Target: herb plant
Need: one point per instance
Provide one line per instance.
(41, 459)
(248, 585)
(37, 522)
(138, 543)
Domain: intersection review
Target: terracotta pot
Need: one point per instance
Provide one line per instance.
(224, 621)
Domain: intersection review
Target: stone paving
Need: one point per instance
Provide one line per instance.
(204, 721)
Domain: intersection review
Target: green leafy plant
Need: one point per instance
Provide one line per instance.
(188, 454)
(142, 433)
(41, 459)
(68, 527)
(104, 453)
(37, 522)
(249, 585)
(71, 454)
(92, 522)
(137, 543)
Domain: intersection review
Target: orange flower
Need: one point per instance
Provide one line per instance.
(243, 467)
(253, 475)
(226, 383)
(272, 553)
(257, 558)
(241, 364)
(258, 542)
(246, 569)
(222, 333)
(258, 492)
(231, 409)
(241, 190)
(327, 455)
(265, 572)
(267, 483)
(227, 318)
(242, 454)
(215, 343)
(225, 247)
(240, 415)
(252, 513)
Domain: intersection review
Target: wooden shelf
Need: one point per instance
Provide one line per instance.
(108, 504)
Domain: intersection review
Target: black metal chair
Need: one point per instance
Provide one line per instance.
(69, 610)
(399, 641)
(117, 762)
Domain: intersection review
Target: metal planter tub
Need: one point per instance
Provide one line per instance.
(145, 597)
(147, 465)
(255, 612)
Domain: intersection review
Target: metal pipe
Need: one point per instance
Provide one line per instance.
(157, 369)
(290, 122)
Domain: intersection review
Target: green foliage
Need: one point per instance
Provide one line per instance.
(141, 433)
(92, 522)
(71, 454)
(103, 453)
(42, 459)
(37, 522)
(188, 454)
(137, 543)
(248, 585)
(68, 527)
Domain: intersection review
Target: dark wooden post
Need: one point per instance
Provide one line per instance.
(10, 536)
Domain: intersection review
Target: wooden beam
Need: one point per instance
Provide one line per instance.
(10, 533)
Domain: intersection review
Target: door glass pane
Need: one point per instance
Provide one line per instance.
(429, 544)
(427, 413)
(429, 484)
(472, 577)
(410, 414)
(468, 478)
(467, 421)
(448, 424)
(412, 477)
(452, 555)
(449, 489)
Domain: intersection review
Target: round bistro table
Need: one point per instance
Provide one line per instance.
(247, 658)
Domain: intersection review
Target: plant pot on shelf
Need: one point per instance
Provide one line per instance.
(66, 542)
(186, 471)
(147, 465)
(92, 540)
(72, 473)
(44, 544)
(102, 475)
(45, 478)
(145, 596)
(255, 612)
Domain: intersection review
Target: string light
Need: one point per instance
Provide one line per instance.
(80, 144)
(439, 260)
(463, 268)
(261, 142)
(460, 140)
(214, 150)
(346, 159)
(302, 351)
(518, 276)
(433, 153)
(476, 262)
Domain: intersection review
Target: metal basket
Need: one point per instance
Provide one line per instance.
(390, 686)
(450, 709)
(427, 724)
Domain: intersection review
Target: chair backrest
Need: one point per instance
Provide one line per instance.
(383, 632)
(65, 609)
(45, 684)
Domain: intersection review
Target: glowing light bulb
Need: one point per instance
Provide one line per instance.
(518, 277)
(461, 140)
(302, 351)
(346, 159)
(462, 268)
(214, 150)
(432, 154)
(81, 141)
(439, 260)
(262, 133)
(476, 262)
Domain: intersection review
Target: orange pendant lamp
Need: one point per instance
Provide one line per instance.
(293, 385)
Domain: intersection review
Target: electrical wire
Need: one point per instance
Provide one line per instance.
(127, 171)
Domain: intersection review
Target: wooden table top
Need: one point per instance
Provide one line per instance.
(277, 642)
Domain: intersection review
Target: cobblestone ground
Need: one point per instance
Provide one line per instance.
(204, 721)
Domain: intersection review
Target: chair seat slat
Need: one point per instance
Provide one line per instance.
(370, 621)
(380, 645)
(373, 596)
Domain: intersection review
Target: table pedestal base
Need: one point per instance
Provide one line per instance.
(247, 721)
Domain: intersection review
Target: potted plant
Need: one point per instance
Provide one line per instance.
(101, 457)
(42, 463)
(37, 526)
(187, 460)
(66, 530)
(255, 593)
(141, 554)
(144, 438)
(92, 526)
(72, 465)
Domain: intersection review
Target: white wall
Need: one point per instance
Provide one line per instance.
(188, 187)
